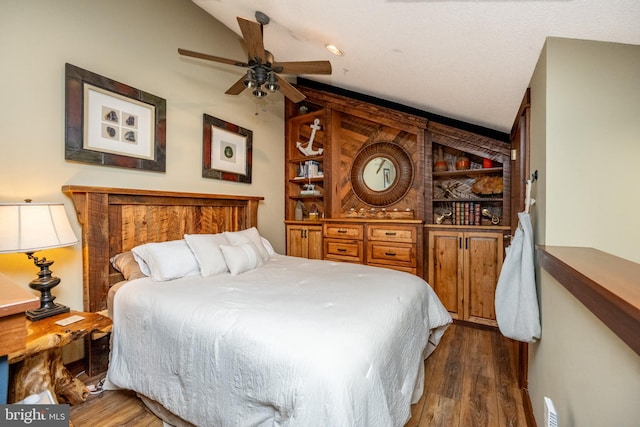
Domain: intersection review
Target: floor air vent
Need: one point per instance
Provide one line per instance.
(550, 414)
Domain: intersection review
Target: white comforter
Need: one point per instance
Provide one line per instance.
(295, 342)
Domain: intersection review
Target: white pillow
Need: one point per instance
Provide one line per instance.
(268, 246)
(206, 248)
(242, 257)
(166, 260)
(250, 235)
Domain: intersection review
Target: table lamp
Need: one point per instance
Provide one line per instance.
(31, 227)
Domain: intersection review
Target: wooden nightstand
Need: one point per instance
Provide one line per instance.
(39, 365)
(14, 300)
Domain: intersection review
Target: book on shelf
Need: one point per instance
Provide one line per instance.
(466, 213)
(309, 169)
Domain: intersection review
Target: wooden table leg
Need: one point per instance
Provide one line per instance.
(45, 371)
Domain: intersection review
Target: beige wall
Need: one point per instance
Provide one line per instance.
(585, 143)
(133, 42)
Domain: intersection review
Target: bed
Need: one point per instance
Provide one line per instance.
(276, 340)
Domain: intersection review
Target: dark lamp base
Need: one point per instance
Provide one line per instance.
(43, 284)
(43, 313)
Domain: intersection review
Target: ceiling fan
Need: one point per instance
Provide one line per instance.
(262, 69)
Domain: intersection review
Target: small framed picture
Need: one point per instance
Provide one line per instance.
(226, 150)
(111, 124)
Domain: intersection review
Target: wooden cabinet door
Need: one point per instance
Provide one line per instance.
(483, 261)
(445, 270)
(296, 244)
(314, 242)
(304, 241)
(463, 270)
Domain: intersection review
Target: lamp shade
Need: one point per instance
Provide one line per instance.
(30, 227)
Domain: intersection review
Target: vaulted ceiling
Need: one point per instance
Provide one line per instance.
(469, 60)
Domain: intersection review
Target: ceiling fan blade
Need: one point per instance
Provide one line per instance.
(289, 91)
(304, 67)
(237, 87)
(211, 58)
(252, 34)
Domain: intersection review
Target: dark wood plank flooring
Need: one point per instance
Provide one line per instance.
(470, 381)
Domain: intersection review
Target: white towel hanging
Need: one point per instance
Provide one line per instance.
(516, 300)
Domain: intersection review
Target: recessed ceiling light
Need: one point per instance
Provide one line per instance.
(334, 49)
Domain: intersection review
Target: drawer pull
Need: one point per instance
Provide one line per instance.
(389, 254)
(390, 233)
(342, 250)
(342, 231)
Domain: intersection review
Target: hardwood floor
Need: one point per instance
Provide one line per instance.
(470, 381)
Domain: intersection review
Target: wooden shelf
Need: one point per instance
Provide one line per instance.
(468, 227)
(467, 172)
(474, 199)
(299, 197)
(607, 285)
(302, 118)
(306, 158)
(449, 144)
(307, 180)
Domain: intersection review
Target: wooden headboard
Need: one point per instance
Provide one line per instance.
(114, 220)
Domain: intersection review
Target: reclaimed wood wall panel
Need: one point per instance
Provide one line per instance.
(355, 133)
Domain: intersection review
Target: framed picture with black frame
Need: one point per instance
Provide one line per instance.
(109, 123)
(226, 150)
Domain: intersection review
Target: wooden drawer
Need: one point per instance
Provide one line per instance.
(410, 270)
(344, 231)
(392, 233)
(399, 254)
(344, 250)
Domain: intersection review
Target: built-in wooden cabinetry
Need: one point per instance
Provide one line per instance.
(464, 266)
(483, 184)
(448, 226)
(304, 239)
(468, 217)
(381, 243)
(305, 165)
(324, 134)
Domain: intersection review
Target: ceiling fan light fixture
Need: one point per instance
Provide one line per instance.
(334, 49)
(250, 81)
(262, 72)
(259, 93)
(272, 83)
